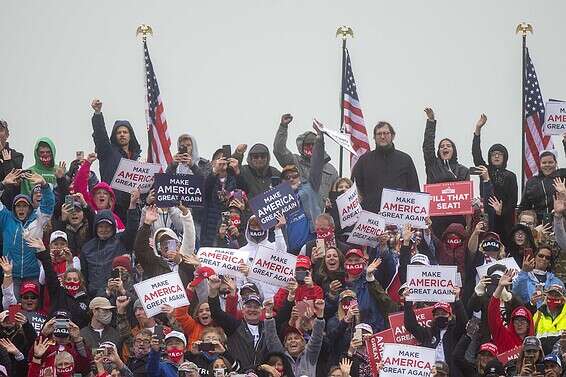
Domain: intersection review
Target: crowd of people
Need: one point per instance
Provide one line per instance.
(73, 248)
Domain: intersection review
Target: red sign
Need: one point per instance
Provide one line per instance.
(397, 324)
(512, 354)
(374, 348)
(450, 198)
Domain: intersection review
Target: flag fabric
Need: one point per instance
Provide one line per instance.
(353, 117)
(535, 140)
(157, 132)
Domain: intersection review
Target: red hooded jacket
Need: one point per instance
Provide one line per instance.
(452, 254)
(80, 185)
(504, 336)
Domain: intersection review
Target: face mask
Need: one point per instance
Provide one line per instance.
(45, 159)
(453, 241)
(257, 235)
(354, 269)
(65, 372)
(73, 287)
(553, 303)
(441, 322)
(325, 234)
(307, 149)
(104, 317)
(175, 355)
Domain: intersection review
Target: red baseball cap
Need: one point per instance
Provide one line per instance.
(443, 306)
(357, 252)
(200, 274)
(303, 262)
(29, 286)
(489, 347)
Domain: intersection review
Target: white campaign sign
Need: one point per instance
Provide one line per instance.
(510, 263)
(272, 267)
(367, 230)
(132, 174)
(223, 261)
(163, 289)
(554, 118)
(349, 207)
(340, 138)
(404, 207)
(431, 283)
(405, 360)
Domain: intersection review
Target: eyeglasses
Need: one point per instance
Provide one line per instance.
(497, 154)
(291, 176)
(29, 297)
(542, 256)
(520, 320)
(384, 133)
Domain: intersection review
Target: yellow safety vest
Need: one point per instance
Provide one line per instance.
(546, 326)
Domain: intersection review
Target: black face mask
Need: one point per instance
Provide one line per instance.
(441, 322)
(257, 235)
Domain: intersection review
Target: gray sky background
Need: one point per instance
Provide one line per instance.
(228, 69)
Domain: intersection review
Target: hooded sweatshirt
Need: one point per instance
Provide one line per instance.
(97, 254)
(449, 251)
(110, 153)
(517, 251)
(504, 184)
(81, 186)
(504, 335)
(437, 169)
(15, 247)
(285, 157)
(200, 166)
(47, 172)
(255, 182)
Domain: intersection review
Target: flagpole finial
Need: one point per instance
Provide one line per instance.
(145, 31)
(344, 32)
(524, 28)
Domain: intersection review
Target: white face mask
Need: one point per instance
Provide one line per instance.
(104, 317)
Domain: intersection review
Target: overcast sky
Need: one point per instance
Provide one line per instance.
(228, 69)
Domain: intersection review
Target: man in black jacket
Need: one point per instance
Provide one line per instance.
(384, 167)
(245, 336)
(9, 159)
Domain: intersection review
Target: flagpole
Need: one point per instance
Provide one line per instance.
(343, 32)
(524, 29)
(145, 31)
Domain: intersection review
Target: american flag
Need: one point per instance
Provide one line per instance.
(535, 140)
(157, 133)
(353, 117)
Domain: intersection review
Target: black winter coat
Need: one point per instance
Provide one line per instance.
(538, 194)
(60, 299)
(5, 168)
(438, 170)
(430, 337)
(504, 185)
(383, 168)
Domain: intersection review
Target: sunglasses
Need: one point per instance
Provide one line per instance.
(292, 176)
(547, 257)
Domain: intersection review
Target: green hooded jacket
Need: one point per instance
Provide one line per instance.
(48, 173)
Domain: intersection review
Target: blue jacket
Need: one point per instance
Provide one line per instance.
(157, 368)
(526, 283)
(369, 311)
(15, 247)
(97, 255)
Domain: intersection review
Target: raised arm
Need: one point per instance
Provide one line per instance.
(128, 236)
(222, 319)
(283, 155)
(80, 183)
(143, 252)
(476, 147)
(429, 135)
(188, 244)
(103, 147)
(317, 161)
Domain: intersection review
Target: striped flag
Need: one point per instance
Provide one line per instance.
(535, 140)
(157, 132)
(353, 117)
